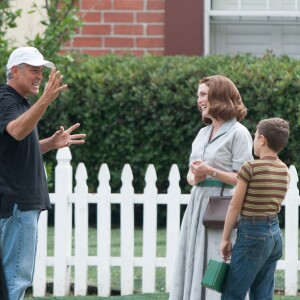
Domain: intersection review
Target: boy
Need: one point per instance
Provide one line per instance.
(261, 188)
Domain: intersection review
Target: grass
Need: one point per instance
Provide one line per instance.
(156, 296)
(115, 278)
(115, 251)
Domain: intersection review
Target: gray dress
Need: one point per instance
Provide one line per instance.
(227, 151)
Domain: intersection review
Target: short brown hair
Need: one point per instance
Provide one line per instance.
(276, 131)
(224, 99)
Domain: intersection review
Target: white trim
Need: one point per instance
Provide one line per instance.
(239, 4)
(254, 21)
(207, 11)
(253, 13)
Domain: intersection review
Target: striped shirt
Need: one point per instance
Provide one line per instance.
(267, 180)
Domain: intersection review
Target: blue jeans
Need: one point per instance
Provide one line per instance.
(257, 249)
(18, 236)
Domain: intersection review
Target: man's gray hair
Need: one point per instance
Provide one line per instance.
(9, 72)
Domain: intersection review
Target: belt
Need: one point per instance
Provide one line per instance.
(259, 218)
(214, 183)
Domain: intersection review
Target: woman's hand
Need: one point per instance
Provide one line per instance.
(200, 169)
(193, 177)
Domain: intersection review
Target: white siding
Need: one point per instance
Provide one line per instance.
(253, 26)
(291, 40)
(255, 4)
(28, 25)
(256, 39)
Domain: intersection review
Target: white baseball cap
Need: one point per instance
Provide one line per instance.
(27, 55)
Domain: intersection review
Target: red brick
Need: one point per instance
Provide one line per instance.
(96, 29)
(150, 17)
(133, 52)
(118, 42)
(88, 17)
(118, 17)
(155, 30)
(77, 31)
(97, 52)
(156, 52)
(63, 51)
(156, 5)
(96, 4)
(129, 29)
(129, 4)
(150, 42)
(68, 44)
(66, 50)
(87, 42)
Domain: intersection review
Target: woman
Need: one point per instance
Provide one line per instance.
(218, 152)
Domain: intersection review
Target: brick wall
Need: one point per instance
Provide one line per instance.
(119, 26)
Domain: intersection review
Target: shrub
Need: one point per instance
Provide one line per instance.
(142, 110)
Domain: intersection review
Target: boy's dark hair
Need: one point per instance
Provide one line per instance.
(224, 98)
(276, 131)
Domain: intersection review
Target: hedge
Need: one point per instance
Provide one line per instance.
(142, 110)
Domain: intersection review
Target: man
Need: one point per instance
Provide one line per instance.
(23, 187)
(3, 289)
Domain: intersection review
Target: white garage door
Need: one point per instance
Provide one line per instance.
(238, 38)
(252, 26)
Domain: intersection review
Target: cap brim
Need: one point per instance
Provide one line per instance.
(42, 62)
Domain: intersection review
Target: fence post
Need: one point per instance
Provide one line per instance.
(173, 222)
(127, 231)
(63, 222)
(81, 231)
(149, 231)
(104, 232)
(291, 234)
(40, 270)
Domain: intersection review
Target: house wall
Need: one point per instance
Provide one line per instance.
(28, 25)
(161, 27)
(170, 27)
(120, 26)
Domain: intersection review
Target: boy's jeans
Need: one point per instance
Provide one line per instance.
(18, 241)
(253, 262)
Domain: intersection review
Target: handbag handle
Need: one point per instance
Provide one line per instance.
(222, 189)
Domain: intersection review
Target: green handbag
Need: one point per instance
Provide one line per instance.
(214, 275)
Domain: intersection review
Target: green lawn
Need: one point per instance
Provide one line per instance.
(157, 296)
(115, 251)
(115, 279)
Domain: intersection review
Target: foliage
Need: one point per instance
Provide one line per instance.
(142, 110)
(8, 19)
(60, 27)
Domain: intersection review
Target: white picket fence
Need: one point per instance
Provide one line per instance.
(64, 199)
